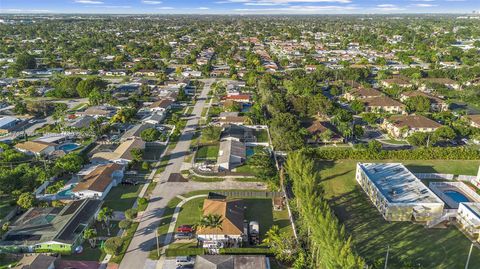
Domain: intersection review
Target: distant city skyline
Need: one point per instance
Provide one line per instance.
(239, 6)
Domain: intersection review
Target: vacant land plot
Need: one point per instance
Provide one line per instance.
(409, 243)
(122, 197)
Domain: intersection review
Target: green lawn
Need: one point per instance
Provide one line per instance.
(432, 248)
(191, 212)
(207, 152)
(88, 253)
(122, 197)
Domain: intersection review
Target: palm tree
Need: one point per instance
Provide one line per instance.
(213, 221)
(91, 236)
(105, 215)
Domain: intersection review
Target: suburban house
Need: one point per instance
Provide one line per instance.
(36, 261)
(231, 232)
(231, 154)
(82, 122)
(98, 111)
(231, 262)
(317, 128)
(146, 73)
(362, 93)
(238, 133)
(436, 104)
(383, 104)
(135, 131)
(161, 105)
(239, 98)
(122, 154)
(474, 120)
(72, 72)
(98, 180)
(115, 73)
(402, 126)
(231, 118)
(154, 118)
(400, 81)
(37, 148)
(397, 193)
(468, 218)
(449, 83)
(7, 123)
(51, 229)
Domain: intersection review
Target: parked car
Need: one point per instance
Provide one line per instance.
(184, 260)
(185, 229)
(180, 236)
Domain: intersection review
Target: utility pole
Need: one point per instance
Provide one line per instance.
(158, 245)
(469, 254)
(386, 257)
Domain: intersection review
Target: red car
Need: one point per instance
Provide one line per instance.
(185, 229)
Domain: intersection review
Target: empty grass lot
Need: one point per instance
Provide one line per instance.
(122, 197)
(430, 248)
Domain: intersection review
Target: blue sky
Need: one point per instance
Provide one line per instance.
(239, 6)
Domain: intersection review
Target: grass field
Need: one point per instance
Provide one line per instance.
(122, 197)
(207, 152)
(414, 244)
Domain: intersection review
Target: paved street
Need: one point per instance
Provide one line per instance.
(144, 238)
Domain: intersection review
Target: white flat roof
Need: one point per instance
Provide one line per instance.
(397, 184)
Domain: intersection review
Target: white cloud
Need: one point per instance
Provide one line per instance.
(151, 2)
(165, 8)
(91, 2)
(424, 5)
(203, 8)
(297, 10)
(279, 2)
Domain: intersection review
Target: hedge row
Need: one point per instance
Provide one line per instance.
(184, 252)
(431, 153)
(246, 251)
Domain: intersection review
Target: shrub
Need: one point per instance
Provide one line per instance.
(184, 252)
(113, 245)
(142, 201)
(124, 224)
(131, 214)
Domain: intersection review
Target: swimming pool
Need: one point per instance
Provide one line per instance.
(250, 151)
(457, 196)
(66, 193)
(68, 147)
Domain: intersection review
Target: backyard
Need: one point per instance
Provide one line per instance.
(408, 243)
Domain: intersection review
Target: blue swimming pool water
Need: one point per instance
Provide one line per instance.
(250, 151)
(457, 197)
(68, 147)
(246, 107)
(67, 192)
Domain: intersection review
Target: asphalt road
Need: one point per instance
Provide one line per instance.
(144, 238)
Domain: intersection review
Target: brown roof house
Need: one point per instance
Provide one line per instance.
(122, 154)
(231, 230)
(436, 104)
(449, 83)
(322, 131)
(383, 104)
(405, 125)
(361, 93)
(474, 120)
(400, 81)
(37, 148)
(97, 181)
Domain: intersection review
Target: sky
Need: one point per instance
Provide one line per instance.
(239, 6)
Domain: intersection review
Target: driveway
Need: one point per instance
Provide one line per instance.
(144, 238)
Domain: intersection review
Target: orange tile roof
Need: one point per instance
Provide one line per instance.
(232, 214)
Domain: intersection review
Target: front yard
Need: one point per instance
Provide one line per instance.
(409, 243)
(122, 197)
